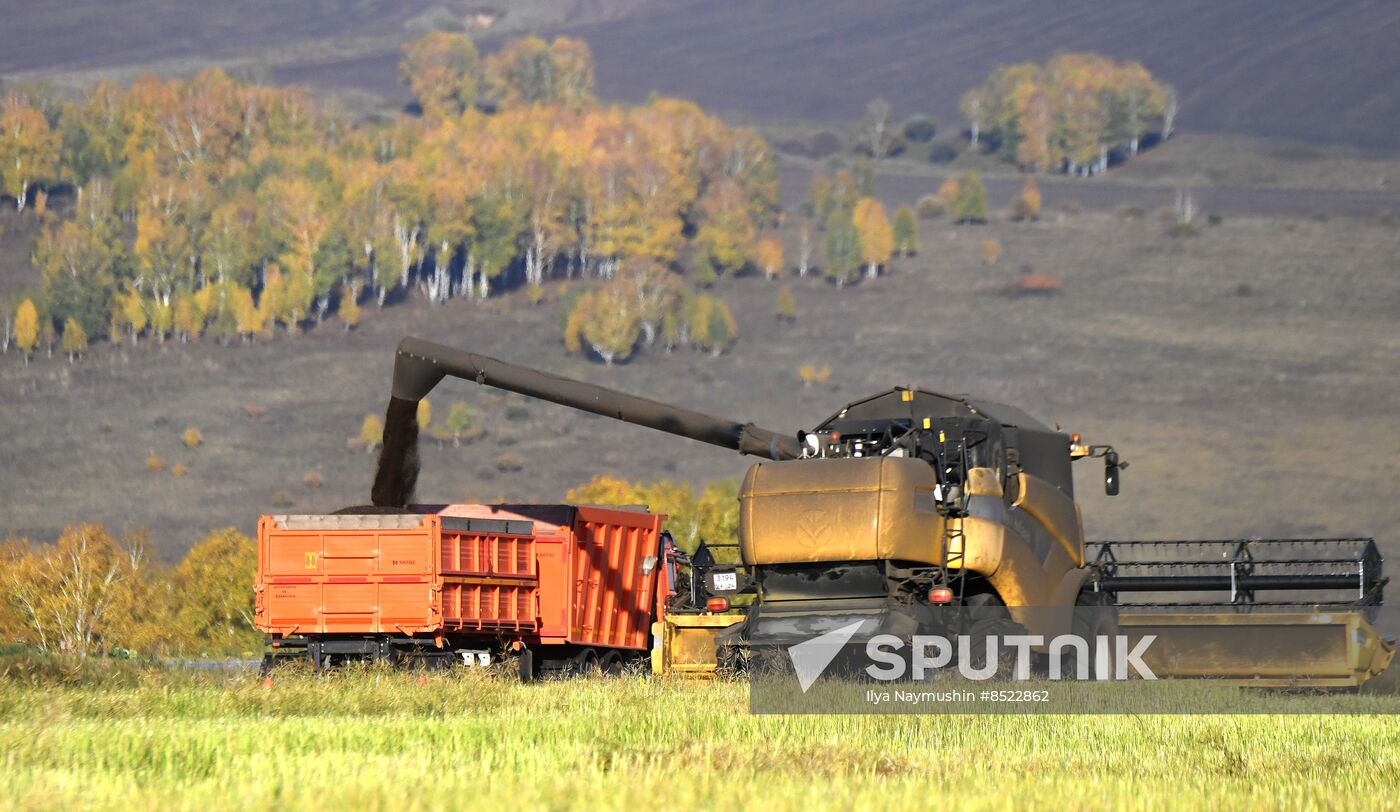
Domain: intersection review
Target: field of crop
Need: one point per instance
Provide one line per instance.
(370, 739)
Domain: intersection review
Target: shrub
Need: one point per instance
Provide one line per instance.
(920, 129)
(787, 305)
(508, 463)
(459, 420)
(534, 293)
(1026, 206)
(155, 463)
(1214, 219)
(942, 152)
(372, 432)
(192, 438)
(253, 410)
(991, 252)
(710, 323)
(312, 479)
(516, 408)
(178, 470)
(931, 207)
(282, 499)
(1034, 285)
(970, 203)
(906, 233)
(812, 374)
(1385, 217)
(1130, 212)
(425, 415)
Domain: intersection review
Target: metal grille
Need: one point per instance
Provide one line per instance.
(1244, 573)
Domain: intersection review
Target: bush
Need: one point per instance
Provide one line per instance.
(192, 438)
(969, 204)
(178, 470)
(787, 305)
(516, 408)
(1214, 219)
(812, 374)
(920, 129)
(1034, 285)
(509, 463)
(1130, 212)
(282, 499)
(931, 207)
(942, 152)
(312, 479)
(371, 432)
(906, 232)
(1385, 217)
(1026, 206)
(155, 463)
(991, 252)
(459, 421)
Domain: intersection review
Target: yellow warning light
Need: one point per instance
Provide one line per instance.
(942, 438)
(907, 396)
(928, 423)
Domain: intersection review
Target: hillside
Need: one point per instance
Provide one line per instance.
(1311, 71)
(1307, 71)
(1247, 373)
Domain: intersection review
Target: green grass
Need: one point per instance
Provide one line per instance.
(367, 739)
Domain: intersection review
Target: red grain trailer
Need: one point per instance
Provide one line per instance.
(560, 587)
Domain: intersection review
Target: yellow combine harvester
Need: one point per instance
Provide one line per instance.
(909, 503)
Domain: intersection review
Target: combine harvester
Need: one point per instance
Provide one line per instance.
(902, 506)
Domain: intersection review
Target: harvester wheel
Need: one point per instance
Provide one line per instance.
(1095, 616)
(611, 664)
(990, 618)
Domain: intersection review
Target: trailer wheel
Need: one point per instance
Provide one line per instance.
(585, 664)
(612, 664)
(525, 665)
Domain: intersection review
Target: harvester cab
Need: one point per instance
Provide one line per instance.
(903, 506)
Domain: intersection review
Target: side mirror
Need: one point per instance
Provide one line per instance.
(1110, 473)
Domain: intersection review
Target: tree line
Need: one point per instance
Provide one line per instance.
(209, 206)
(1069, 114)
(95, 593)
